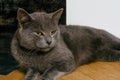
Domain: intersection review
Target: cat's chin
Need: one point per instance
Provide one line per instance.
(45, 49)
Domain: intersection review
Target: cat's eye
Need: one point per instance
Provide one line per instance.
(53, 32)
(40, 34)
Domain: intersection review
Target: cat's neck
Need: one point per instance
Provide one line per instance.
(27, 51)
(32, 52)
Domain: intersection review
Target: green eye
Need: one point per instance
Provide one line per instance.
(40, 33)
(53, 32)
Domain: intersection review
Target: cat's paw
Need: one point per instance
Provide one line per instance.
(43, 79)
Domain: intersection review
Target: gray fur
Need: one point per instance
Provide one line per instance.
(60, 48)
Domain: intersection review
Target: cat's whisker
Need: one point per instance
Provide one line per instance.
(29, 52)
(35, 52)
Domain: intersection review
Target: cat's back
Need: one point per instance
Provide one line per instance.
(85, 31)
(79, 31)
(74, 28)
(84, 37)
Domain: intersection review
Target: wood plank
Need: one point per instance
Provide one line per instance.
(93, 71)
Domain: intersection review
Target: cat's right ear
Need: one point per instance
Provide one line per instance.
(23, 16)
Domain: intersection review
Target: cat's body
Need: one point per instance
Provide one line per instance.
(40, 60)
(63, 50)
(89, 44)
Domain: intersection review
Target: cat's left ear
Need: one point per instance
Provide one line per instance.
(23, 16)
(56, 15)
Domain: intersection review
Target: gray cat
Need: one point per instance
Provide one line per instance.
(41, 46)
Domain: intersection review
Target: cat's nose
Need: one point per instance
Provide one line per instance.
(49, 42)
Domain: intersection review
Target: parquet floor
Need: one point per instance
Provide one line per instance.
(93, 71)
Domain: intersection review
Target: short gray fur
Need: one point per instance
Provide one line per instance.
(42, 46)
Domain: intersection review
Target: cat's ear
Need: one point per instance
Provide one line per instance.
(57, 14)
(23, 16)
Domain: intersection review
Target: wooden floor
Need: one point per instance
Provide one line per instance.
(93, 71)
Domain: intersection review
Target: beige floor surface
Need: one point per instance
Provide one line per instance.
(93, 71)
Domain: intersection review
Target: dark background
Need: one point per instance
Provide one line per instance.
(8, 24)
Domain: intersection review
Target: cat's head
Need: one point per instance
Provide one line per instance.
(38, 30)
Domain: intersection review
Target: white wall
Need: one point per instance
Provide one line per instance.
(103, 14)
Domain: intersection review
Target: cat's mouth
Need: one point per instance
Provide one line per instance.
(45, 49)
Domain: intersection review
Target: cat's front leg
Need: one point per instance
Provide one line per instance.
(52, 74)
(57, 71)
(31, 74)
